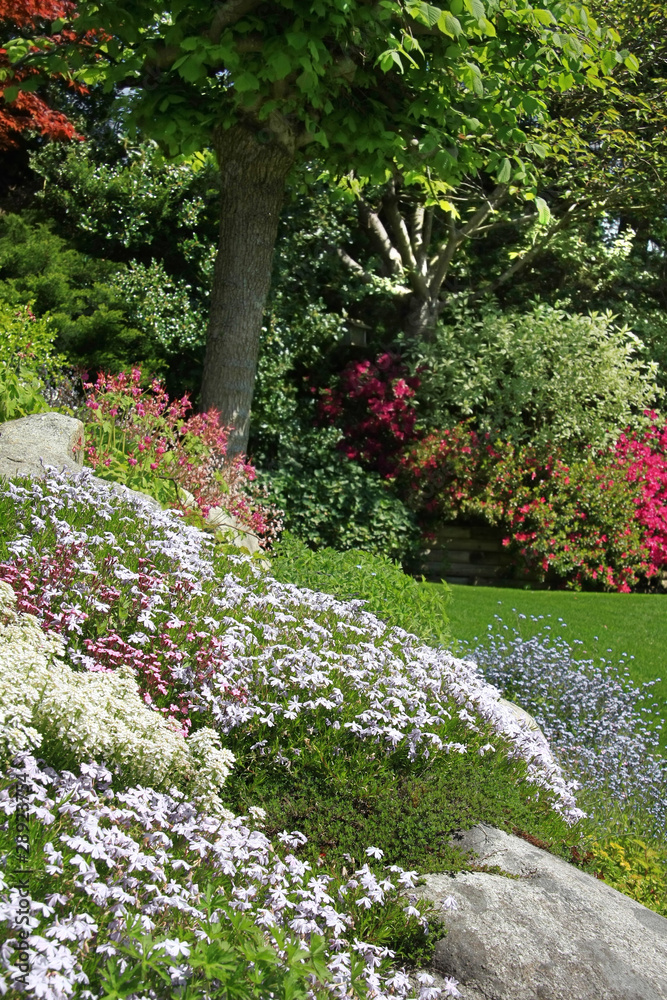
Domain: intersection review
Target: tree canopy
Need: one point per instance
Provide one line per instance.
(371, 93)
(408, 86)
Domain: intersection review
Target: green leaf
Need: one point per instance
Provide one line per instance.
(191, 68)
(450, 25)
(280, 65)
(10, 94)
(487, 27)
(246, 81)
(472, 78)
(543, 211)
(476, 8)
(425, 13)
(544, 16)
(505, 171)
(631, 62)
(389, 59)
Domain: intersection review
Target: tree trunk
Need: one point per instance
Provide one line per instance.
(254, 164)
(421, 318)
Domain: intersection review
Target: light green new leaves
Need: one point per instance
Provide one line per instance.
(449, 24)
(384, 87)
(425, 13)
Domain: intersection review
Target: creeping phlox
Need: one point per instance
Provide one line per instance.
(240, 648)
(143, 878)
(604, 729)
(94, 715)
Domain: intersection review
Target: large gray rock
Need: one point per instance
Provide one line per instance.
(29, 444)
(553, 933)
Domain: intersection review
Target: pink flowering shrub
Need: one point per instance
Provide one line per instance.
(374, 406)
(643, 457)
(141, 438)
(599, 521)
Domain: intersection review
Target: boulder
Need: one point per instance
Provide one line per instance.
(29, 444)
(548, 932)
(219, 518)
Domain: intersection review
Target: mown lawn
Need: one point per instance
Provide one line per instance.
(607, 624)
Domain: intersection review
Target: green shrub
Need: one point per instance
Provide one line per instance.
(27, 357)
(346, 795)
(547, 377)
(633, 867)
(330, 501)
(104, 315)
(389, 593)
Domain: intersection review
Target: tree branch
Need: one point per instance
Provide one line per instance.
(531, 254)
(381, 239)
(352, 265)
(417, 235)
(440, 264)
(400, 291)
(397, 222)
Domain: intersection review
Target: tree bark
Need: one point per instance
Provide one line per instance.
(254, 163)
(421, 317)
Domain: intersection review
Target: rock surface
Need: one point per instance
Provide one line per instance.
(220, 518)
(29, 444)
(523, 716)
(553, 933)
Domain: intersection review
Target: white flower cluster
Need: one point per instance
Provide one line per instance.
(279, 641)
(133, 854)
(44, 703)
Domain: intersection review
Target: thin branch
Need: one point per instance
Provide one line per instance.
(428, 230)
(399, 291)
(527, 258)
(417, 235)
(352, 265)
(440, 264)
(397, 222)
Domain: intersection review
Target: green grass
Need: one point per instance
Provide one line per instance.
(607, 624)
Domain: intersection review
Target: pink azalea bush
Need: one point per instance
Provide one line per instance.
(600, 520)
(643, 457)
(139, 437)
(594, 519)
(373, 404)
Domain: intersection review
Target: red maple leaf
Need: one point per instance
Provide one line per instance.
(27, 111)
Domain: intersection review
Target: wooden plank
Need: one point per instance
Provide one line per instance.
(481, 545)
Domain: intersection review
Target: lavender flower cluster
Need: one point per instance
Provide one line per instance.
(290, 651)
(603, 729)
(231, 648)
(115, 872)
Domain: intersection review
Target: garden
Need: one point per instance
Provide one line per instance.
(315, 280)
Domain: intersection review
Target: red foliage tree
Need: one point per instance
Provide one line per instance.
(25, 110)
